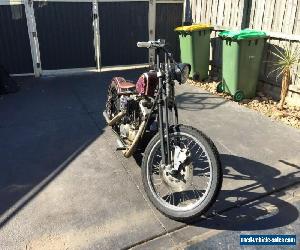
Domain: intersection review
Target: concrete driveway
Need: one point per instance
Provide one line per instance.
(63, 185)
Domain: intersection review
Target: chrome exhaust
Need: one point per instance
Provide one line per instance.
(129, 151)
(114, 120)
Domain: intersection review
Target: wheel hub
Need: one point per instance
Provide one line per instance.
(179, 157)
(177, 180)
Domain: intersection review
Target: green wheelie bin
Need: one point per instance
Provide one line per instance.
(242, 56)
(195, 48)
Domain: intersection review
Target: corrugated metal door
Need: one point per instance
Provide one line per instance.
(122, 25)
(15, 53)
(168, 17)
(65, 34)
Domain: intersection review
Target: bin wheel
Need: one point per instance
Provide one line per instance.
(196, 77)
(220, 87)
(238, 96)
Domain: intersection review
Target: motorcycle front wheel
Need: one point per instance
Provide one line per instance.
(190, 189)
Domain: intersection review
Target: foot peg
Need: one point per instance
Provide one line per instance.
(120, 145)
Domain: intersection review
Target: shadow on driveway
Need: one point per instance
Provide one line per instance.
(252, 213)
(43, 128)
(194, 101)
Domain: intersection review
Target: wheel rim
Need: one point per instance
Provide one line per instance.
(193, 182)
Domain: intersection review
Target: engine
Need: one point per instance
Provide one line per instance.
(136, 109)
(130, 122)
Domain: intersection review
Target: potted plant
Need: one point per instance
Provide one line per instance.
(285, 65)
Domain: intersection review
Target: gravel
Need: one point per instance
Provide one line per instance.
(262, 103)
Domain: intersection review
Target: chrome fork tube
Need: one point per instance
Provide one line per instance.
(166, 103)
(161, 113)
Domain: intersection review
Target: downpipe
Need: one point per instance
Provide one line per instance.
(114, 120)
(128, 152)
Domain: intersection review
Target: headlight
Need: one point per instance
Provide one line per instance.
(182, 72)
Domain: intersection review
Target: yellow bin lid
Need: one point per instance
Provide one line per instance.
(194, 27)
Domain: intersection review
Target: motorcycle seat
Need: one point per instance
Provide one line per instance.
(126, 85)
(122, 83)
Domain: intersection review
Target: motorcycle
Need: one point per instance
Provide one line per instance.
(181, 169)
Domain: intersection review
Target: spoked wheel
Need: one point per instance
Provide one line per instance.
(188, 186)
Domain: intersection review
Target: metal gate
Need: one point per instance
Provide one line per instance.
(51, 36)
(15, 52)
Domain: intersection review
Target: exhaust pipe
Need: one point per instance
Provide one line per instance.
(127, 153)
(114, 120)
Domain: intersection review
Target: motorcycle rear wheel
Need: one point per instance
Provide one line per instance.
(112, 102)
(184, 199)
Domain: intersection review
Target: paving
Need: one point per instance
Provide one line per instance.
(63, 185)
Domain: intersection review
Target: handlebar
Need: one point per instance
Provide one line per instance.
(152, 44)
(144, 44)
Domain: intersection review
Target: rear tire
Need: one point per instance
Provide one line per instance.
(112, 101)
(216, 173)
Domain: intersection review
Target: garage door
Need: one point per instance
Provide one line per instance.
(75, 35)
(122, 25)
(15, 53)
(65, 34)
(168, 17)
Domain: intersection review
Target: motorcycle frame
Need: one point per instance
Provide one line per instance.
(164, 103)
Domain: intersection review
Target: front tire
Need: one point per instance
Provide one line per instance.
(201, 205)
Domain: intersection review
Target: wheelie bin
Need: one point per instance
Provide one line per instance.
(195, 48)
(241, 61)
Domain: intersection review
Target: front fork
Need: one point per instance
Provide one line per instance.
(166, 103)
(162, 130)
(163, 116)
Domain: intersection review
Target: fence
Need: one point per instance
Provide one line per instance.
(51, 36)
(280, 18)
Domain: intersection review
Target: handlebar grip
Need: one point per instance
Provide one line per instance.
(144, 44)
